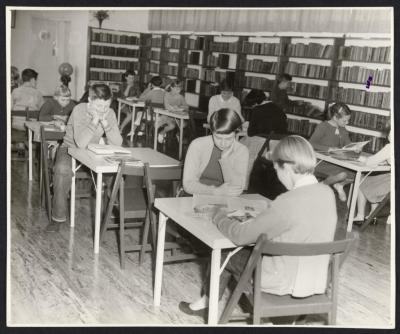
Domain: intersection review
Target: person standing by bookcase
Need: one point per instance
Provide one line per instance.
(333, 134)
(279, 94)
(224, 100)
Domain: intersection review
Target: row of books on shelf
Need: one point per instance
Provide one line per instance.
(191, 58)
(365, 53)
(152, 67)
(105, 37)
(304, 108)
(308, 70)
(217, 76)
(222, 60)
(190, 86)
(169, 69)
(302, 127)
(170, 56)
(258, 65)
(173, 43)
(191, 73)
(113, 64)
(155, 55)
(307, 90)
(194, 44)
(257, 83)
(105, 76)
(273, 49)
(156, 42)
(361, 97)
(361, 74)
(209, 89)
(223, 47)
(368, 121)
(311, 50)
(113, 51)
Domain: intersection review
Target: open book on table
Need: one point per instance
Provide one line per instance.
(354, 147)
(108, 149)
(238, 208)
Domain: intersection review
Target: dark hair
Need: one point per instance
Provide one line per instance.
(128, 72)
(338, 109)
(28, 74)
(255, 96)
(156, 81)
(225, 121)
(100, 91)
(226, 85)
(174, 83)
(65, 79)
(286, 77)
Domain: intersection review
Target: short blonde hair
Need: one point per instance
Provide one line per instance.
(298, 152)
(62, 90)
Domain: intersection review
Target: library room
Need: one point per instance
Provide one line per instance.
(200, 167)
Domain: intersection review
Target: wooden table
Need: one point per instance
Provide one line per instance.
(133, 104)
(359, 168)
(181, 115)
(99, 165)
(34, 136)
(179, 210)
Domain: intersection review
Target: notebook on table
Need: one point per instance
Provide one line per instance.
(108, 149)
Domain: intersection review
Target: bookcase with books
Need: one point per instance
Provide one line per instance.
(325, 70)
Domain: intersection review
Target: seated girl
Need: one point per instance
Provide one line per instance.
(217, 164)
(333, 134)
(306, 213)
(376, 187)
(59, 108)
(266, 116)
(173, 101)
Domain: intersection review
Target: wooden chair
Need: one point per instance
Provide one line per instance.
(148, 119)
(268, 305)
(374, 214)
(19, 136)
(47, 164)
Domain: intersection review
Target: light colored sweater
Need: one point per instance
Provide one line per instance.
(234, 167)
(217, 102)
(80, 131)
(306, 214)
(175, 100)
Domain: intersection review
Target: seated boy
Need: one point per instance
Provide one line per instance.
(25, 96)
(59, 108)
(87, 124)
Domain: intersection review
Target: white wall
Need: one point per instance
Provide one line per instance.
(71, 26)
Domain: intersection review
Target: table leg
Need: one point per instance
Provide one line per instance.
(353, 201)
(72, 199)
(162, 221)
(180, 138)
(119, 112)
(132, 122)
(30, 154)
(214, 287)
(97, 220)
(155, 131)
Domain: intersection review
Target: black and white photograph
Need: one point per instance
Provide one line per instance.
(181, 166)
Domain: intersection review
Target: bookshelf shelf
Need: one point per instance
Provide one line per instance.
(307, 97)
(364, 61)
(127, 46)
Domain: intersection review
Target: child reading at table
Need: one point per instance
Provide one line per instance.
(173, 101)
(217, 164)
(332, 134)
(87, 124)
(306, 213)
(129, 88)
(59, 108)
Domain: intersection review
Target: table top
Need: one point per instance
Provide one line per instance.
(34, 126)
(98, 164)
(180, 210)
(133, 103)
(175, 114)
(357, 166)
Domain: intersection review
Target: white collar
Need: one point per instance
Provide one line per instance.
(224, 101)
(157, 88)
(306, 180)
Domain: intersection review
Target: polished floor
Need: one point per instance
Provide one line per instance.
(56, 278)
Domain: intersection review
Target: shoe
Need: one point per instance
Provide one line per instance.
(340, 191)
(161, 137)
(53, 227)
(140, 133)
(185, 308)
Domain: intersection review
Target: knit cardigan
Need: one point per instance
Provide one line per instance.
(306, 214)
(234, 167)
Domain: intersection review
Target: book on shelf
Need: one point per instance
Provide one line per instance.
(361, 74)
(365, 53)
(273, 49)
(107, 149)
(307, 70)
(156, 42)
(194, 58)
(218, 76)
(190, 86)
(308, 90)
(191, 73)
(105, 76)
(106, 37)
(223, 60)
(113, 51)
(302, 127)
(368, 120)
(311, 50)
(194, 44)
(113, 64)
(172, 43)
(258, 65)
(257, 83)
(224, 47)
(361, 97)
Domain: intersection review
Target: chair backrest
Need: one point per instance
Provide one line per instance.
(30, 115)
(153, 174)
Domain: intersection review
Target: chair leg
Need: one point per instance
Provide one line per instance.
(145, 238)
(122, 224)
